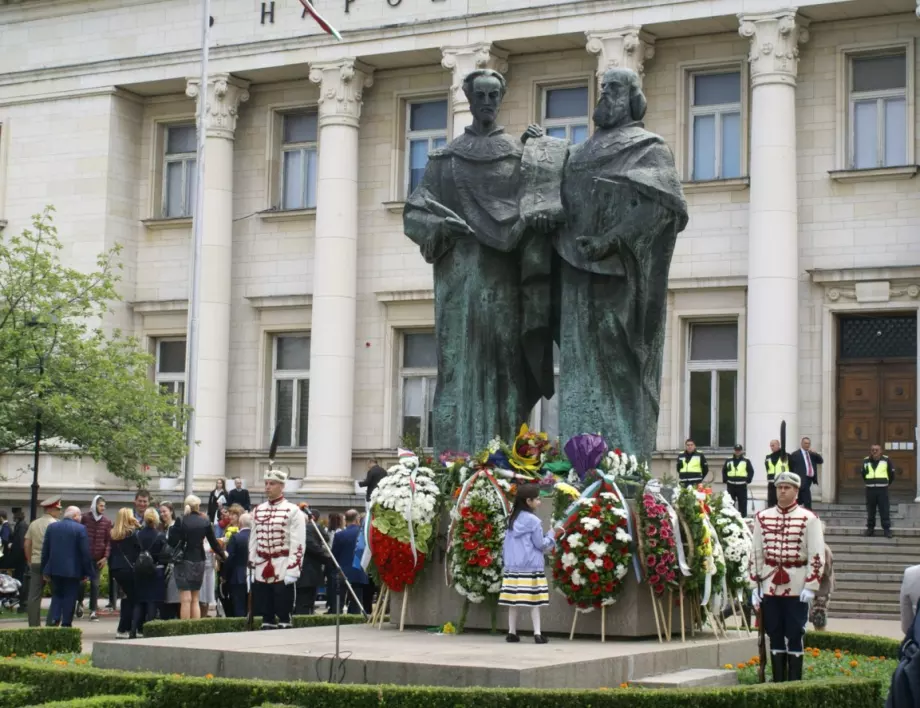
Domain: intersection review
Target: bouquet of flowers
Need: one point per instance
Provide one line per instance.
(658, 545)
(737, 544)
(698, 541)
(403, 512)
(528, 451)
(591, 564)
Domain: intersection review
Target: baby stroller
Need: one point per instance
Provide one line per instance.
(9, 592)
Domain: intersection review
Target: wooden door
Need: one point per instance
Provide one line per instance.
(876, 403)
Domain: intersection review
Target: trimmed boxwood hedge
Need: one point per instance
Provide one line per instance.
(98, 702)
(173, 691)
(854, 643)
(219, 625)
(14, 695)
(49, 640)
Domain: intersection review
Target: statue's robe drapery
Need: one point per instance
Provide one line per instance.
(485, 386)
(622, 198)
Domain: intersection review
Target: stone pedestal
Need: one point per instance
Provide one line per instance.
(462, 61)
(773, 252)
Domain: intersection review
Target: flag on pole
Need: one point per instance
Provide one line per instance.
(325, 26)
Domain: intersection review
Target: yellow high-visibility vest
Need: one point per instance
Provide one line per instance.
(880, 473)
(775, 469)
(737, 472)
(692, 468)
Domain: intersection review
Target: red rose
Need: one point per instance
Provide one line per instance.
(485, 561)
(466, 512)
(608, 564)
(473, 560)
(608, 538)
(594, 578)
(595, 591)
(608, 587)
(470, 545)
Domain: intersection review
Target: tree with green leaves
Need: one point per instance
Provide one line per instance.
(90, 389)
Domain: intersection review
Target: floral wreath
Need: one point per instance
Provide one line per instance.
(697, 540)
(737, 544)
(477, 532)
(400, 525)
(657, 544)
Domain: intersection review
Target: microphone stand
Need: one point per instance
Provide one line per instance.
(351, 590)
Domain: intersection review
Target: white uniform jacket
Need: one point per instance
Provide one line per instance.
(788, 551)
(276, 543)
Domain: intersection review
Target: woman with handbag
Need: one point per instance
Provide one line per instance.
(169, 608)
(189, 556)
(123, 554)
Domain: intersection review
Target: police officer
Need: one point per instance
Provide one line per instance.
(692, 467)
(878, 473)
(737, 474)
(776, 463)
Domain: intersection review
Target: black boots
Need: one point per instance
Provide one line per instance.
(794, 667)
(779, 666)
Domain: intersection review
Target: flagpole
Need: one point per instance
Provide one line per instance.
(191, 382)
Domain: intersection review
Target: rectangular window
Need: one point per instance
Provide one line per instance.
(418, 376)
(298, 160)
(565, 113)
(179, 171)
(170, 367)
(291, 388)
(712, 384)
(878, 132)
(715, 125)
(426, 130)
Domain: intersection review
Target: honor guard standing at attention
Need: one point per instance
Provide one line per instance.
(786, 570)
(878, 473)
(737, 474)
(776, 463)
(692, 467)
(276, 548)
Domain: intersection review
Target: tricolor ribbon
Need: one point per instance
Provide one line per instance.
(320, 20)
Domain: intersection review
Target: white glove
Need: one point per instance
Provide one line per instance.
(807, 596)
(756, 597)
(290, 579)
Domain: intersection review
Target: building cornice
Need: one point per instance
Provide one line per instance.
(388, 296)
(280, 302)
(822, 276)
(147, 307)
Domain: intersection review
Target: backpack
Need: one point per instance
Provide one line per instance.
(145, 567)
(904, 691)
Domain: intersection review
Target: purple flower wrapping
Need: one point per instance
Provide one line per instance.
(585, 452)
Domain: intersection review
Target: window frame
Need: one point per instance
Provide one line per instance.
(683, 144)
(410, 135)
(402, 373)
(301, 147)
(854, 97)
(171, 379)
(717, 110)
(714, 366)
(844, 119)
(165, 160)
(295, 375)
(567, 123)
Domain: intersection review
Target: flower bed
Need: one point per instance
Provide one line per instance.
(25, 642)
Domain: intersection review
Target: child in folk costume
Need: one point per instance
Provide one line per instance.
(524, 579)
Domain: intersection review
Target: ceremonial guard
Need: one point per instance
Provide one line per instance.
(737, 474)
(692, 466)
(877, 473)
(786, 571)
(776, 463)
(276, 548)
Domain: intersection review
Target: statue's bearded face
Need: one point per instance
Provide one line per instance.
(613, 105)
(485, 98)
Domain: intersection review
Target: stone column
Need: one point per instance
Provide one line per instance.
(225, 93)
(626, 48)
(773, 248)
(332, 339)
(461, 61)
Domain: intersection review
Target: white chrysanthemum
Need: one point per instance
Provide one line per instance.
(577, 580)
(622, 536)
(590, 524)
(598, 548)
(568, 560)
(590, 564)
(574, 540)
(621, 571)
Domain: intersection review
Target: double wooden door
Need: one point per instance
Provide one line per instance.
(876, 404)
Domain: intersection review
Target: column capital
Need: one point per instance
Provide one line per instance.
(225, 93)
(466, 59)
(775, 39)
(341, 90)
(625, 48)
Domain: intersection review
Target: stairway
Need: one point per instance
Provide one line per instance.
(868, 571)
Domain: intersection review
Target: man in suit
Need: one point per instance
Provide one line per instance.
(66, 562)
(375, 473)
(910, 596)
(804, 462)
(236, 565)
(240, 496)
(343, 549)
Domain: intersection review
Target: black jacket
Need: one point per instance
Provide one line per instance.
(193, 532)
(239, 496)
(237, 557)
(123, 553)
(374, 475)
(313, 566)
(214, 503)
(797, 465)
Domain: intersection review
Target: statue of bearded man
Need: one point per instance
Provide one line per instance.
(624, 208)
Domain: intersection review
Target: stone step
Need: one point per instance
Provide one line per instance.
(864, 607)
(864, 596)
(846, 583)
(865, 549)
(902, 536)
(863, 565)
(871, 575)
(691, 678)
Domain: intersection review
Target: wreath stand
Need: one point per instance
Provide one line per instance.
(662, 627)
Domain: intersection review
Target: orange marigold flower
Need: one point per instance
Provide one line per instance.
(741, 666)
(854, 663)
(209, 676)
(881, 658)
(59, 662)
(624, 685)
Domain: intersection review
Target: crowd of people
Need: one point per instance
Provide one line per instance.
(167, 565)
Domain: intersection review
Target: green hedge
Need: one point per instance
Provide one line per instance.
(56, 683)
(49, 640)
(14, 695)
(854, 643)
(103, 587)
(220, 625)
(98, 702)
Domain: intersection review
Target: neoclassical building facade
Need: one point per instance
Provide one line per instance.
(794, 291)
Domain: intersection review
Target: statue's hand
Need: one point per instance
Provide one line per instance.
(456, 227)
(541, 222)
(533, 131)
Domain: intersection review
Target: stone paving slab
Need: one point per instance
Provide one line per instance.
(375, 656)
(692, 678)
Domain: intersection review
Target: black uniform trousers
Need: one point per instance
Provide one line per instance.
(877, 497)
(784, 620)
(771, 494)
(275, 601)
(738, 492)
(805, 492)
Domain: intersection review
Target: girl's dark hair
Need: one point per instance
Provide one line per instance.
(524, 492)
(335, 521)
